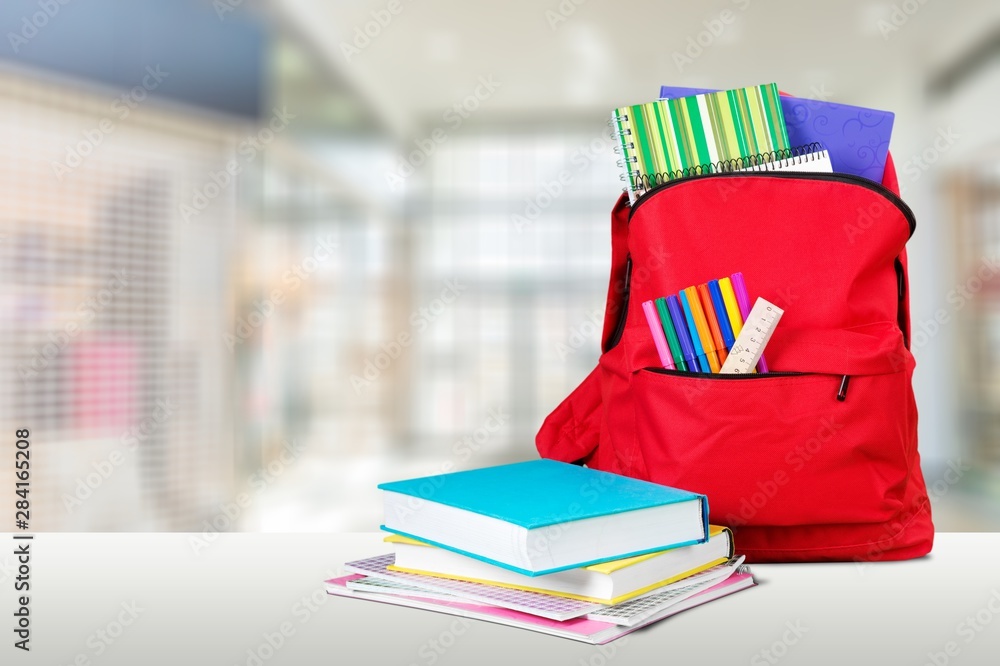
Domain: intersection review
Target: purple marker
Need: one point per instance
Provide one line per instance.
(690, 361)
(743, 299)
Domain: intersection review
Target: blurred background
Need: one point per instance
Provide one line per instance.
(257, 257)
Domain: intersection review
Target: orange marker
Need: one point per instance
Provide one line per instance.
(701, 324)
(713, 322)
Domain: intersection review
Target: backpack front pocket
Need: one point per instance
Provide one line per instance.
(780, 448)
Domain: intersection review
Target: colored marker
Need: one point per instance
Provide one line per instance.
(719, 304)
(743, 298)
(653, 319)
(704, 332)
(732, 307)
(696, 342)
(713, 323)
(668, 328)
(690, 361)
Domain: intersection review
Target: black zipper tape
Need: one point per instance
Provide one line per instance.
(616, 335)
(841, 390)
(850, 178)
(878, 188)
(727, 376)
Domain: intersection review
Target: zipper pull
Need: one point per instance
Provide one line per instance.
(842, 392)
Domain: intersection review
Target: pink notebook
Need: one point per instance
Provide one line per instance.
(578, 629)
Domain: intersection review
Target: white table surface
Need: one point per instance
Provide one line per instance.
(214, 606)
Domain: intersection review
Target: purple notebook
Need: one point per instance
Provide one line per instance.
(857, 138)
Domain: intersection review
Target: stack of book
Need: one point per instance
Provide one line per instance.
(550, 547)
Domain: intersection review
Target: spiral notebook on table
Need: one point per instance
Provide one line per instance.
(726, 131)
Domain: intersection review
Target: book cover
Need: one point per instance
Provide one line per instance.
(856, 137)
(701, 133)
(540, 493)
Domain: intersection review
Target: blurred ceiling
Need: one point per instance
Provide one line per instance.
(582, 57)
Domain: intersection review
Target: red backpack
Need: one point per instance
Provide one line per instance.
(816, 460)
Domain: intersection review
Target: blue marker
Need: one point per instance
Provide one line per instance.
(681, 327)
(699, 351)
(720, 311)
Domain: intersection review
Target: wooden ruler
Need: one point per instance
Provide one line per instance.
(750, 343)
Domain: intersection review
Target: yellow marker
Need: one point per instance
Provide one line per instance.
(732, 307)
(701, 324)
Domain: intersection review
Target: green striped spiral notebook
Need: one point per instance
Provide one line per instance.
(720, 131)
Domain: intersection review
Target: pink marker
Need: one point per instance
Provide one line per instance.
(743, 298)
(659, 339)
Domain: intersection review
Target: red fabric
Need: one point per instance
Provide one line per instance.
(798, 474)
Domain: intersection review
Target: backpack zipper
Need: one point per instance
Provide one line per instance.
(727, 376)
(616, 335)
(841, 391)
(867, 183)
(792, 175)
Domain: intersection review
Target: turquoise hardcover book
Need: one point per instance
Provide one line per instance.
(542, 516)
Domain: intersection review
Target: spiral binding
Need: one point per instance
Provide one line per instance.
(619, 137)
(766, 161)
(743, 569)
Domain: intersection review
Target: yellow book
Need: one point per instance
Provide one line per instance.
(607, 583)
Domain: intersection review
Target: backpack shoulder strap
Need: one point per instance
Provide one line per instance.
(618, 285)
(890, 182)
